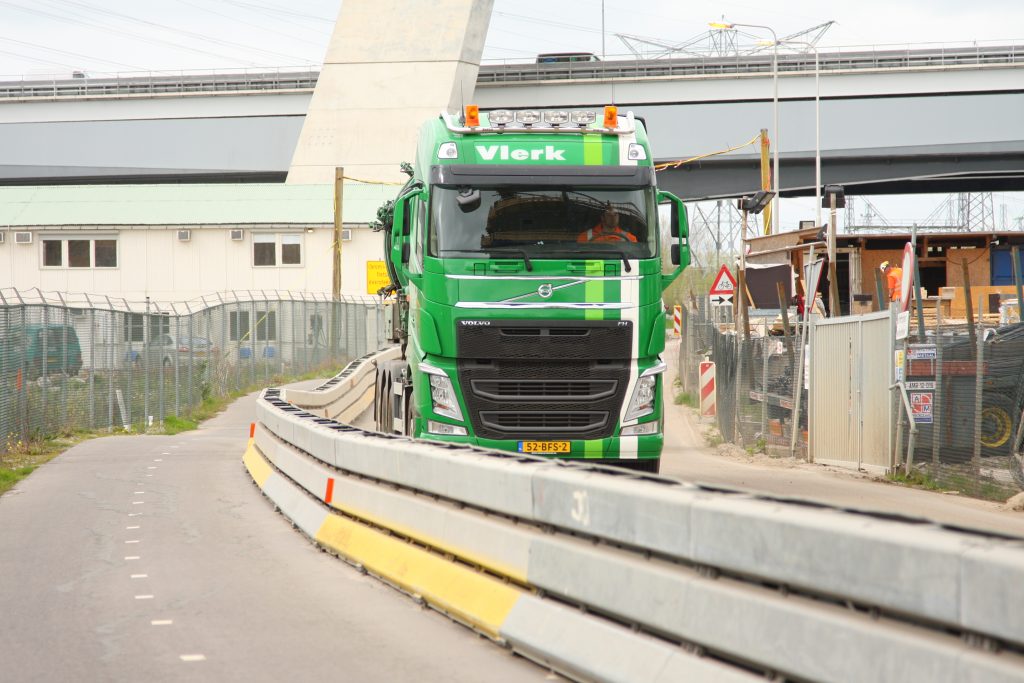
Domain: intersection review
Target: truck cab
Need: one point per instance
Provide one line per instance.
(527, 251)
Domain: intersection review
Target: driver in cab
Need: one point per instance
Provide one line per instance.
(607, 230)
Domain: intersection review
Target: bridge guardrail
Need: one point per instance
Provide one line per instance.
(801, 590)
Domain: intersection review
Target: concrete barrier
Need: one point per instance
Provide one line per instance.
(806, 591)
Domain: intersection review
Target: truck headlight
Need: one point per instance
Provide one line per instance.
(641, 429)
(442, 393)
(642, 401)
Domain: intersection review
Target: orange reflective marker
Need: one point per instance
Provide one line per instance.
(252, 429)
(472, 115)
(611, 117)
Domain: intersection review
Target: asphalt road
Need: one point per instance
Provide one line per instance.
(155, 558)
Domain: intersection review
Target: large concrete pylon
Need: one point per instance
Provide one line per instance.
(390, 65)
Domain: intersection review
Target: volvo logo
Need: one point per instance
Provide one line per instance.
(544, 291)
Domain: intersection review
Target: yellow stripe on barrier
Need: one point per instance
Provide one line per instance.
(257, 465)
(514, 573)
(468, 595)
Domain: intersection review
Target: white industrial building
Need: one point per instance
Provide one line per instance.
(182, 242)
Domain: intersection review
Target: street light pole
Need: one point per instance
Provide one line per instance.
(775, 112)
(817, 127)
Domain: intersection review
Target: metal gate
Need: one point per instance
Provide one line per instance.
(851, 369)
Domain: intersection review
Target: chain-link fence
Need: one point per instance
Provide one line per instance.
(965, 397)
(755, 378)
(957, 416)
(81, 362)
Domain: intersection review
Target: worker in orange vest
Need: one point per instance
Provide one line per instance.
(607, 230)
(893, 280)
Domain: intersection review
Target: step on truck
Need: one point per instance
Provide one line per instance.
(528, 254)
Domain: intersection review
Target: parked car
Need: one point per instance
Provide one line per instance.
(42, 350)
(163, 348)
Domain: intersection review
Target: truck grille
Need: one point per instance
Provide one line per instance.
(543, 399)
(544, 390)
(529, 422)
(549, 339)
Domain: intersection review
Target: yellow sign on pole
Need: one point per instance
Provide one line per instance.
(376, 276)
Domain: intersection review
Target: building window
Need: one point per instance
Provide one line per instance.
(133, 328)
(106, 253)
(264, 248)
(238, 325)
(53, 253)
(80, 253)
(291, 250)
(266, 325)
(269, 249)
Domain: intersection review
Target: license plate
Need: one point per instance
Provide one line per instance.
(544, 447)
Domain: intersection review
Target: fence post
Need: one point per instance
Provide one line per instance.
(92, 367)
(764, 389)
(939, 392)
(146, 335)
(978, 386)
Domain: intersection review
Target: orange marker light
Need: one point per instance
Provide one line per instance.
(611, 117)
(472, 115)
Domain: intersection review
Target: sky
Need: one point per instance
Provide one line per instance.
(48, 37)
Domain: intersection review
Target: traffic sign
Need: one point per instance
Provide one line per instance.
(721, 299)
(724, 284)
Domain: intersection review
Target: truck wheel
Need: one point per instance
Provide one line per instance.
(996, 427)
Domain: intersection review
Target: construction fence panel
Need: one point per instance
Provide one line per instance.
(101, 364)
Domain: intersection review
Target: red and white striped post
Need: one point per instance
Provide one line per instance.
(677, 320)
(707, 389)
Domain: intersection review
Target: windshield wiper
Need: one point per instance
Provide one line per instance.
(511, 250)
(599, 254)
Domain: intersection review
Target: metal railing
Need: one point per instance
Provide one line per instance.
(83, 362)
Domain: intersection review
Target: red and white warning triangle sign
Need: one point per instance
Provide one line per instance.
(724, 284)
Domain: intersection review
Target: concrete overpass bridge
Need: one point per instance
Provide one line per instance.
(925, 119)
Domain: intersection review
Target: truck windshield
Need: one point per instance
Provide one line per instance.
(544, 223)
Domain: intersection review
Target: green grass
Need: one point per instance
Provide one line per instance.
(176, 425)
(916, 479)
(685, 398)
(10, 477)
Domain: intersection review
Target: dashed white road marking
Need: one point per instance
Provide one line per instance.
(138, 493)
(151, 467)
(149, 475)
(162, 622)
(130, 542)
(131, 557)
(133, 527)
(143, 597)
(192, 658)
(140, 576)
(134, 514)
(138, 502)
(158, 460)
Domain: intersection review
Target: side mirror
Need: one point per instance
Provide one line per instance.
(675, 255)
(679, 229)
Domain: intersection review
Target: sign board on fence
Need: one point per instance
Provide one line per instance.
(902, 325)
(376, 276)
(924, 385)
(898, 362)
(921, 352)
(921, 406)
(724, 284)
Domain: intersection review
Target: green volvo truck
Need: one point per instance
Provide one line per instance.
(528, 253)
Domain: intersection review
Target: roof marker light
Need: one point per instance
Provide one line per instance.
(448, 150)
(611, 117)
(556, 118)
(472, 116)
(583, 117)
(528, 117)
(500, 117)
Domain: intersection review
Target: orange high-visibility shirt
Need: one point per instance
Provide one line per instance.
(599, 234)
(895, 282)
